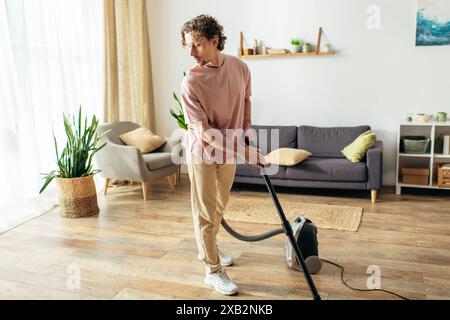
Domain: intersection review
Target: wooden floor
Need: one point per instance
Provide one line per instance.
(146, 250)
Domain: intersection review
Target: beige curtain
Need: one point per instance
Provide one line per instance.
(129, 89)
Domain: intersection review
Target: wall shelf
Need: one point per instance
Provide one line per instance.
(302, 54)
(316, 52)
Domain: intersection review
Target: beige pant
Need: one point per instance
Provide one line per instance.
(210, 191)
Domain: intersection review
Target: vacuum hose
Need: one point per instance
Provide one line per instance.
(255, 238)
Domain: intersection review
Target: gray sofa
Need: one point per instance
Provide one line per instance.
(326, 168)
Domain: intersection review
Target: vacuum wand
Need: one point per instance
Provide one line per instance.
(289, 233)
(286, 229)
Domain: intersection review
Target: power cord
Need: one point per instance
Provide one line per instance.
(357, 289)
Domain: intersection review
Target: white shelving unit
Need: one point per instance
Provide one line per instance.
(429, 160)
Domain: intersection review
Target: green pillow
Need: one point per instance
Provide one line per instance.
(356, 150)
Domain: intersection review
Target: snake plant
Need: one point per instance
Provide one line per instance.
(75, 160)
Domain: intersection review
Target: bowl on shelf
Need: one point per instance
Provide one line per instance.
(414, 144)
(422, 117)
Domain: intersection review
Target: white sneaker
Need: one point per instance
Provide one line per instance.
(225, 260)
(221, 283)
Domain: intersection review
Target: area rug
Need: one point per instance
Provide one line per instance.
(325, 216)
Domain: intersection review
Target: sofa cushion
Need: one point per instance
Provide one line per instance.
(287, 137)
(356, 150)
(158, 160)
(328, 169)
(287, 156)
(327, 142)
(249, 170)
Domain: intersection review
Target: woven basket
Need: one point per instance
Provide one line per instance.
(415, 144)
(77, 197)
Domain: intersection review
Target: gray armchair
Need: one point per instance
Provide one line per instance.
(121, 162)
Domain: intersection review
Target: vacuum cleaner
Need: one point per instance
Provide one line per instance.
(301, 247)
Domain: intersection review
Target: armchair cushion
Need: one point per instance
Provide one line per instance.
(143, 139)
(157, 160)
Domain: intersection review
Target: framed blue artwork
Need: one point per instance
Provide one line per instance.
(433, 23)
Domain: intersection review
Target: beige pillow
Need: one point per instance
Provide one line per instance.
(287, 156)
(143, 139)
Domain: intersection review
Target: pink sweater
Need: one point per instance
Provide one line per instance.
(220, 95)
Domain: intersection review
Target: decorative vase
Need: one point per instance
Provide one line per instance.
(327, 48)
(263, 48)
(256, 47)
(77, 197)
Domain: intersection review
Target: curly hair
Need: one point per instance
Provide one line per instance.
(206, 26)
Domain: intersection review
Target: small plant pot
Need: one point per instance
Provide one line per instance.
(296, 48)
(306, 48)
(77, 197)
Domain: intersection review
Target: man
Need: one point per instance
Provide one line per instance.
(216, 99)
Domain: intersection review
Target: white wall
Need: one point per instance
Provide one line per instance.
(376, 77)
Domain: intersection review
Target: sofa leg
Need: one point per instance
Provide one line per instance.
(145, 190)
(105, 186)
(171, 181)
(373, 195)
(178, 180)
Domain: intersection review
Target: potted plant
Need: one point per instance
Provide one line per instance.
(179, 114)
(76, 189)
(296, 45)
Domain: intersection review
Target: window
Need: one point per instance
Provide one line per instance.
(52, 61)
